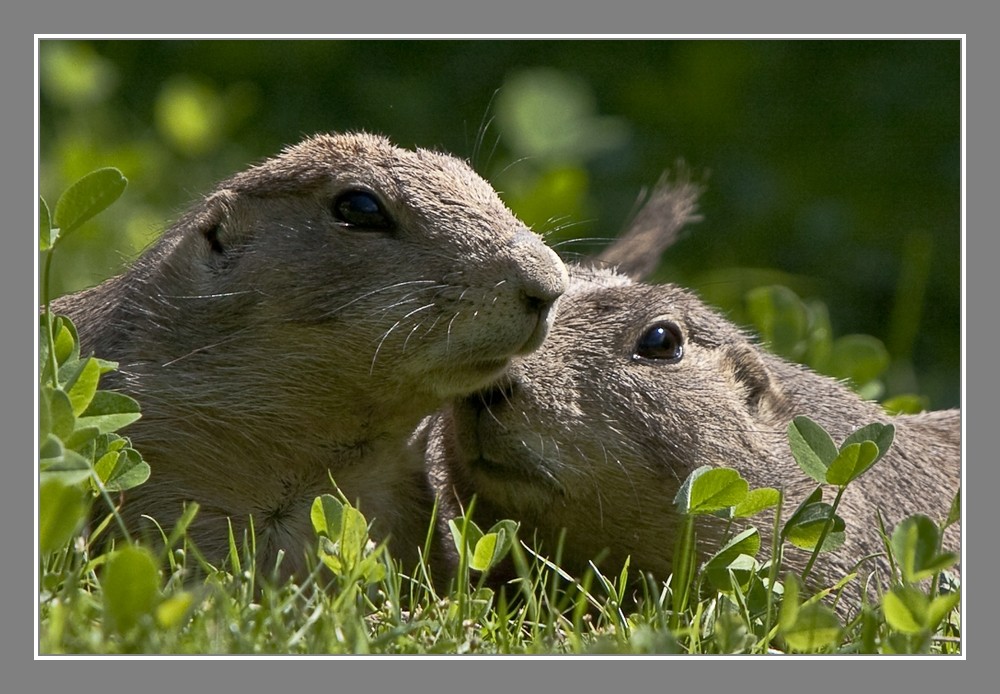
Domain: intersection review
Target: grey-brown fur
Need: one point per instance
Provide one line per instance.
(272, 346)
(582, 435)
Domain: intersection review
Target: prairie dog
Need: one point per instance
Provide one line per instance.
(299, 321)
(636, 386)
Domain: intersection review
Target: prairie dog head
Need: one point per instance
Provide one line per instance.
(635, 387)
(298, 322)
(396, 266)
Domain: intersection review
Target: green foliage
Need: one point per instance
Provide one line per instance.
(344, 544)
(801, 332)
(736, 597)
(78, 449)
(757, 501)
(912, 612)
(807, 628)
(916, 544)
(814, 525)
(61, 510)
(341, 606)
(709, 490)
(130, 586)
(734, 560)
(87, 197)
(818, 456)
(489, 548)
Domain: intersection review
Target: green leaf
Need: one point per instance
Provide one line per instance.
(852, 461)
(61, 420)
(106, 366)
(819, 336)
(781, 319)
(343, 531)
(371, 570)
(493, 546)
(44, 367)
(354, 536)
(940, 607)
(106, 464)
(482, 557)
(110, 411)
(858, 358)
(906, 609)
(906, 404)
(87, 197)
(815, 628)
(57, 459)
(805, 527)
(812, 447)
(130, 587)
(789, 611)
(62, 509)
(81, 439)
(757, 500)
(955, 512)
(70, 371)
(736, 558)
(83, 385)
(914, 544)
(126, 471)
(50, 451)
(473, 534)
(235, 565)
(327, 516)
(881, 435)
(66, 339)
(707, 490)
(44, 415)
(47, 236)
(172, 610)
(109, 443)
(506, 532)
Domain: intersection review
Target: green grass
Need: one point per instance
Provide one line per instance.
(134, 600)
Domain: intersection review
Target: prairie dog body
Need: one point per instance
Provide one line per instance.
(299, 321)
(635, 387)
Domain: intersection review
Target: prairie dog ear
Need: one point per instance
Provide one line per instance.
(751, 374)
(670, 206)
(207, 220)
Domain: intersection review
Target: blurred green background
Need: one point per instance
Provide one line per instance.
(832, 166)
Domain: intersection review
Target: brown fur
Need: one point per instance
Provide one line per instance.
(583, 436)
(272, 346)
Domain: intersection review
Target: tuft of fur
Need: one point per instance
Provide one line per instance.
(272, 346)
(584, 436)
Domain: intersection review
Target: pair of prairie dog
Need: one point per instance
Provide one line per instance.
(300, 321)
(638, 385)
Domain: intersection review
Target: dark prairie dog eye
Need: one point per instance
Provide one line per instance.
(359, 208)
(662, 341)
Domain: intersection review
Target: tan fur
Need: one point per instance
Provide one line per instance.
(582, 435)
(272, 346)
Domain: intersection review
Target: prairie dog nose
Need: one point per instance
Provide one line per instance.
(543, 275)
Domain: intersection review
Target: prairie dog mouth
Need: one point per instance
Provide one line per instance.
(543, 324)
(493, 451)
